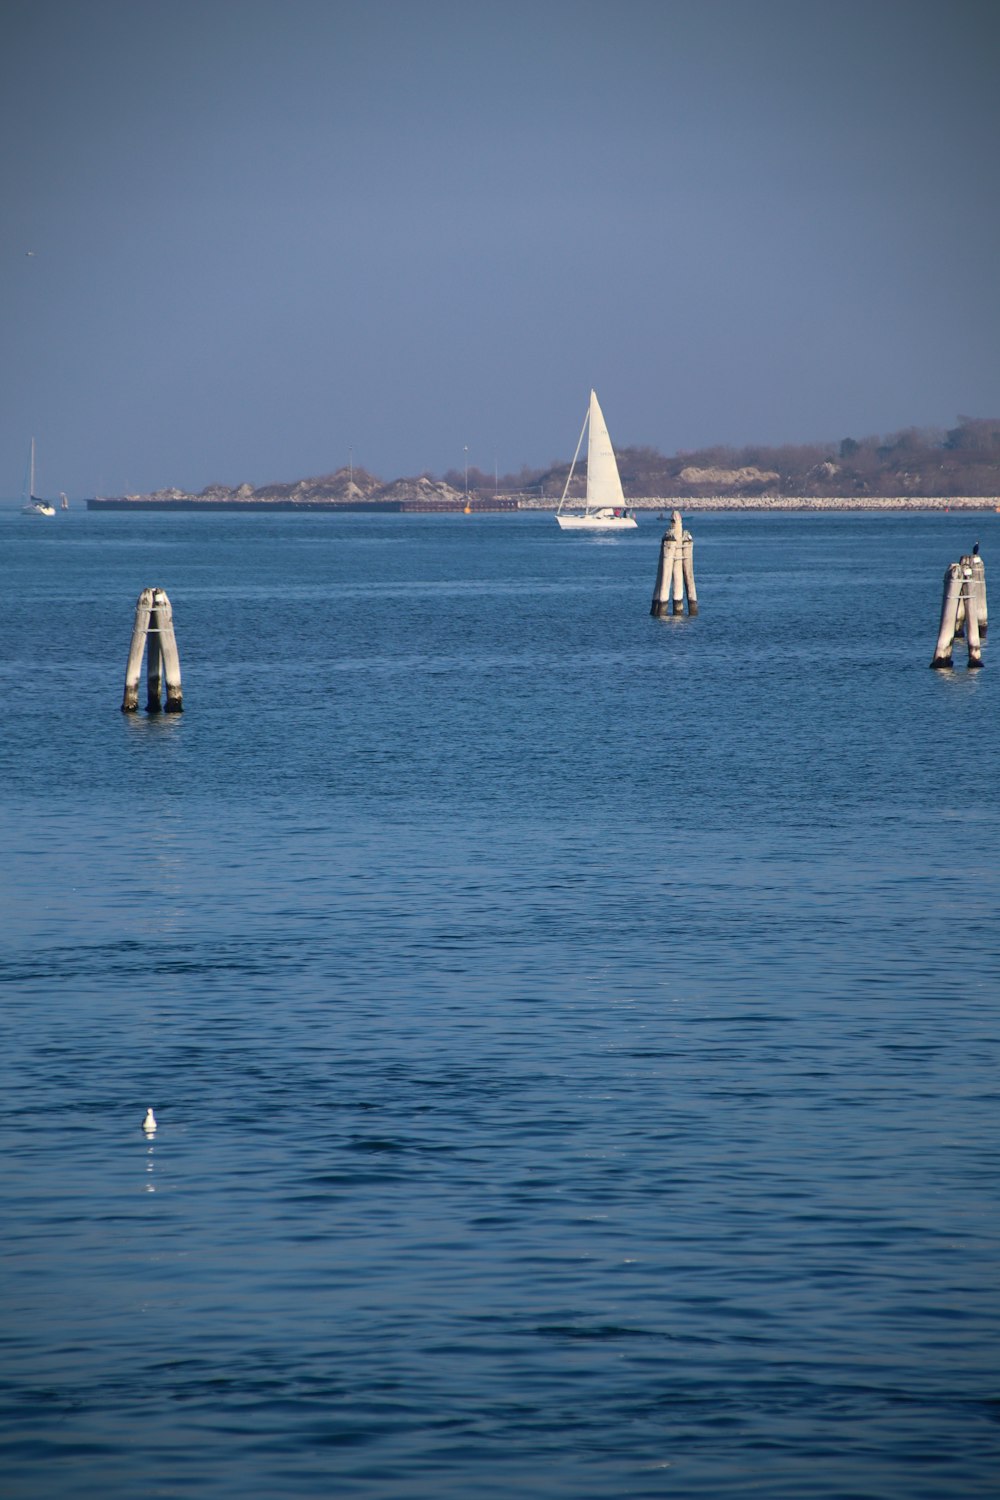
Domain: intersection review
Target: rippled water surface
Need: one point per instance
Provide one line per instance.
(574, 1036)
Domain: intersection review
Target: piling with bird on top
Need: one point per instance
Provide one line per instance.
(963, 610)
(977, 593)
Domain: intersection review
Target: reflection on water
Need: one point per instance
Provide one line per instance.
(143, 724)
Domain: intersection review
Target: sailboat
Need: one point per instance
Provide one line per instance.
(33, 506)
(604, 508)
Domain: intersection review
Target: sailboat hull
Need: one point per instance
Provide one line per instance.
(596, 521)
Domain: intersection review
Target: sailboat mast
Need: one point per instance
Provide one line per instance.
(592, 438)
(576, 455)
(31, 478)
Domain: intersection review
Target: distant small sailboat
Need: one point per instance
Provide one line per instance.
(33, 506)
(64, 503)
(604, 508)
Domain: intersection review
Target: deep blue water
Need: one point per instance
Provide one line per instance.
(574, 1036)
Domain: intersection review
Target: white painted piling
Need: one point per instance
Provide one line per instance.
(959, 610)
(677, 531)
(154, 660)
(974, 594)
(153, 633)
(965, 563)
(971, 618)
(675, 572)
(677, 590)
(687, 562)
(979, 590)
(664, 576)
(143, 609)
(169, 656)
(953, 582)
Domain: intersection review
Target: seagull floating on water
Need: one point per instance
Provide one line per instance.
(149, 1123)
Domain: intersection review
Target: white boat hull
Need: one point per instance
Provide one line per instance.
(597, 521)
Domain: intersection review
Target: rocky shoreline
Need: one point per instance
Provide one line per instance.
(800, 503)
(454, 504)
(915, 469)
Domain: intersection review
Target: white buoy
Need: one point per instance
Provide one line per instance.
(149, 1123)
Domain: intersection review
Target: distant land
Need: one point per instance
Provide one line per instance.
(913, 469)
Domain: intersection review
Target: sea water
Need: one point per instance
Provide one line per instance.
(573, 1035)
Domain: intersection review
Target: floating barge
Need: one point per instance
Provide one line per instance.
(396, 507)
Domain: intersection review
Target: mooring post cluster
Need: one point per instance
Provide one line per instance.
(153, 633)
(675, 572)
(963, 610)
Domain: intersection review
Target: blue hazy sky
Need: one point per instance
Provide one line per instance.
(270, 233)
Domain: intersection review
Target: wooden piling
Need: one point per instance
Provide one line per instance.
(965, 563)
(153, 633)
(687, 562)
(971, 618)
(664, 576)
(979, 589)
(675, 572)
(953, 582)
(678, 582)
(974, 595)
(143, 609)
(154, 660)
(677, 531)
(169, 654)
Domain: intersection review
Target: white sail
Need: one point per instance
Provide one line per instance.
(604, 509)
(604, 486)
(33, 505)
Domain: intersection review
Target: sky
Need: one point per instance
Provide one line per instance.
(255, 240)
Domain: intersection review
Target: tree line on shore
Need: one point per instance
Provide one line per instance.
(963, 460)
(914, 462)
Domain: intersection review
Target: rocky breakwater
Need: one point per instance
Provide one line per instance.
(825, 502)
(668, 503)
